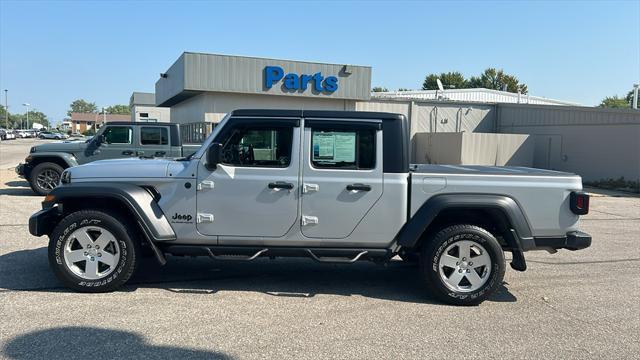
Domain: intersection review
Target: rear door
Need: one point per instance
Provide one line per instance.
(342, 175)
(153, 141)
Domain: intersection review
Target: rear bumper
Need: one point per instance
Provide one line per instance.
(575, 240)
(43, 222)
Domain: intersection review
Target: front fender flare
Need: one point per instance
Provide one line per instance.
(67, 158)
(138, 200)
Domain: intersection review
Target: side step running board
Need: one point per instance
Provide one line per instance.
(235, 257)
(241, 253)
(342, 260)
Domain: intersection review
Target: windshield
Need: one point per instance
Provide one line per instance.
(209, 139)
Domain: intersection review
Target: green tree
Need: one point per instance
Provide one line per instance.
(82, 106)
(497, 80)
(379, 89)
(629, 97)
(450, 80)
(615, 102)
(118, 110)
(18, 121)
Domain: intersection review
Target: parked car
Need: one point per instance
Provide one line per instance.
(333, 186)
(31, 133)
(21, 134)
(45, 163)
(52, 135)
(9, 135)
(3, 134)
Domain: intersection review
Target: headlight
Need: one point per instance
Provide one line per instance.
(65, 178)
(33, 149)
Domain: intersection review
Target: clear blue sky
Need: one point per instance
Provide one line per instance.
(54, 52)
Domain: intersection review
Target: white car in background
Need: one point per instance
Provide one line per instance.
(21, 134)
(52, 135)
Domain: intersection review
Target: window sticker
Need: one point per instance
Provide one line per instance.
(334, 146)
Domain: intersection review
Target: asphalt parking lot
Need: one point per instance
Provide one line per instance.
(569, 305)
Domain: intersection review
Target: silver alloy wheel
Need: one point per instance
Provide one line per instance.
(464, 266)
(48, 179)
(91, 252)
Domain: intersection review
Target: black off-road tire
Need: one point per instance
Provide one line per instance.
(40, 169)
(125, 235)
(434, 249)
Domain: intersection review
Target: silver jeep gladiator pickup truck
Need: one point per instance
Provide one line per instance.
(333, 186)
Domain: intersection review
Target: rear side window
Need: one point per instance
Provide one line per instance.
(343, 149)
(118, 135)
(154, 135)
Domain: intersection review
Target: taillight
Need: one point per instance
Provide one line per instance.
(579, 203)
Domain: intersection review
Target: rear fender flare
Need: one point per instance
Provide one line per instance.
(409, 236)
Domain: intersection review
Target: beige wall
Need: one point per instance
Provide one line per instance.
(211, 107)
(458, 148)
(594, 143)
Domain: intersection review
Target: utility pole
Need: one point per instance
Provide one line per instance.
(27, 105)
(6, 109)
(635, 96)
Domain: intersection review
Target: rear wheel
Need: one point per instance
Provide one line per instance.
(462, 265)
(90, 251)
(45, 177)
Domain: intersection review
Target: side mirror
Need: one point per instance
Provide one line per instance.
(100, 140)
(214, 155)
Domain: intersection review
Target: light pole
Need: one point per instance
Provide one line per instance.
(27, 105)
(6, 109)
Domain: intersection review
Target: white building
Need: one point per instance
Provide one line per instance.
(469, 95)
(143, 108)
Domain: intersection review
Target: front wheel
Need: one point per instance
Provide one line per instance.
(45, 177)
(90, 251)
(462, 264)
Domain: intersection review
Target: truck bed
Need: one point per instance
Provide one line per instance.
(542, 194)
(485, 170)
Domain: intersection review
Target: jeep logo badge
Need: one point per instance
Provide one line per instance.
(181, 218)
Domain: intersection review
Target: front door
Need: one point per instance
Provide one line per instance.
(342, 176)
(118, 143)
(253, 192)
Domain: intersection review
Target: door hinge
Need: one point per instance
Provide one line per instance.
(307, 188)
(205, 184)
(309, 220)
(204, 218)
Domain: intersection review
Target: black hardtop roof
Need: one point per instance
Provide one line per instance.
(329, 114)
(139, 123)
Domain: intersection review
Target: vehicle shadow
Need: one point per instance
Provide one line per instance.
(28, 270)
(72, 343)
(17, 188)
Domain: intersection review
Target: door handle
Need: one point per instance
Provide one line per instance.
(358, 187)
(280, 185)
(127, 152)
(161, 153)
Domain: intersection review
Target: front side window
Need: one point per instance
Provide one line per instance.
(118, 135)
(154, 136)
(258, 146)
(343, 149)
